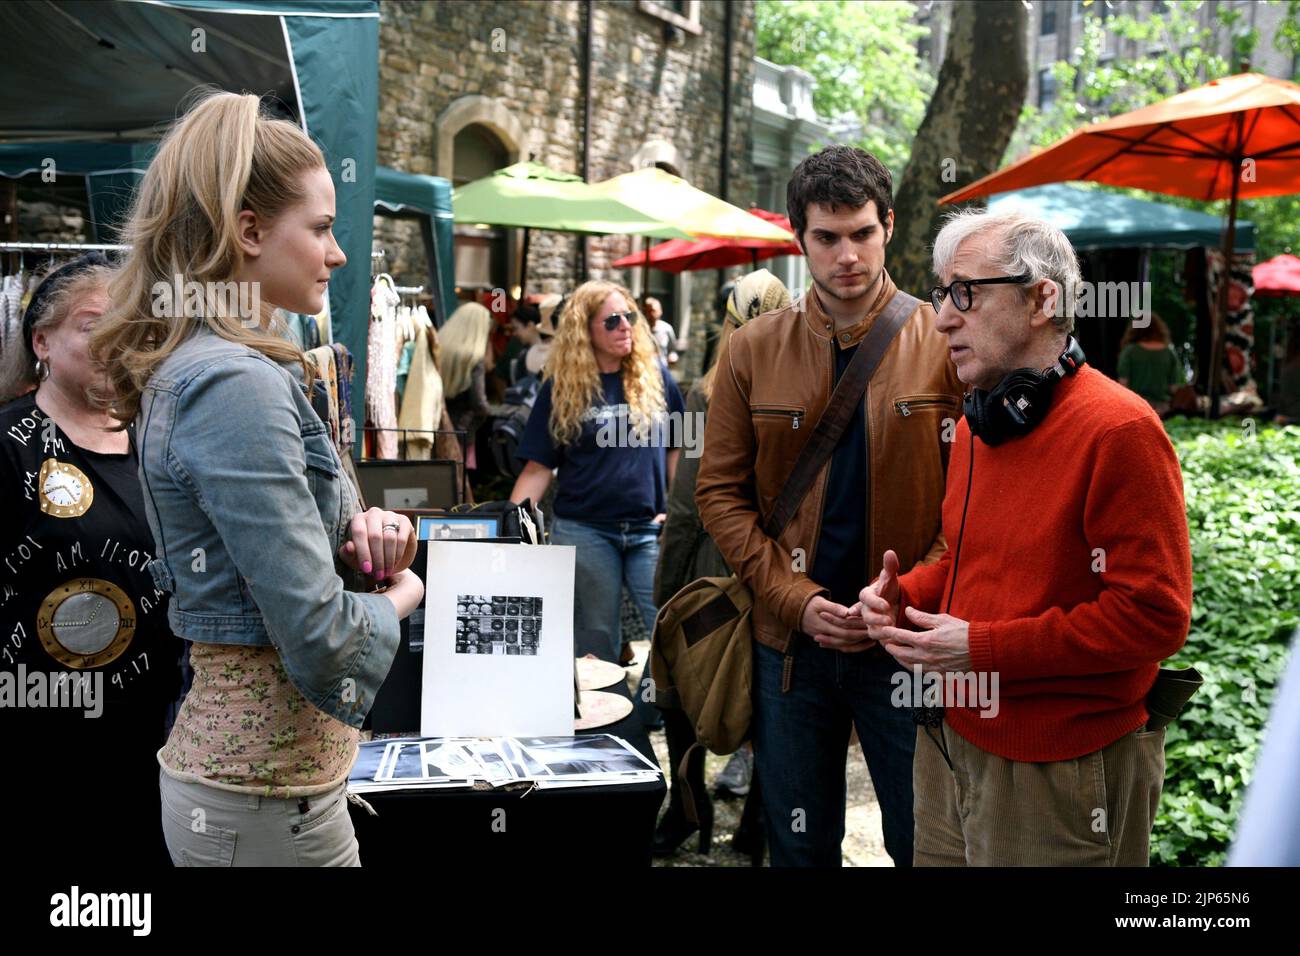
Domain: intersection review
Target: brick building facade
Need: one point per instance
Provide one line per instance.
(465, 88)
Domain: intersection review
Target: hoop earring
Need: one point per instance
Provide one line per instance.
(42, 370)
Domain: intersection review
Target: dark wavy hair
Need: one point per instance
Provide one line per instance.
(838, 176)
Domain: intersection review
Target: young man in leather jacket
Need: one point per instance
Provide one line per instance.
(816, 672)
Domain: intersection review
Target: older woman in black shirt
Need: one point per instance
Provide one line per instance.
(89, 669)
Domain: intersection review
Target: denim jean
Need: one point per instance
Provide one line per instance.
(801, 741)
(611, 556)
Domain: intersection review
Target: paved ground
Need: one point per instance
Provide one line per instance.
(863, 845)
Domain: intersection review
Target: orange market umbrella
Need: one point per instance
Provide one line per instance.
(1231, 138)
(686, 255)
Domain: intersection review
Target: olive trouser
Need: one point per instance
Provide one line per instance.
(1094, 810)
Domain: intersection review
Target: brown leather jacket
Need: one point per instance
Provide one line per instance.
(771, 387)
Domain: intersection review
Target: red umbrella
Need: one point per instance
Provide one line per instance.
(1277, 278)
(686, 255)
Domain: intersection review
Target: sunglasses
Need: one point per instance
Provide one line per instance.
(614, 318)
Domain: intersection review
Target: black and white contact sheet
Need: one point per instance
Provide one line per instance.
(499, 624)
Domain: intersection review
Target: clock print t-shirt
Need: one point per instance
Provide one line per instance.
(89, 669)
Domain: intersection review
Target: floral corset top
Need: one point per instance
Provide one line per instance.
(245, 727)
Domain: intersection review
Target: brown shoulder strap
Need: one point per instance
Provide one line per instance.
(848, 392)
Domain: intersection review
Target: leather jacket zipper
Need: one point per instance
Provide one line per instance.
(904, 407)
(794, 414)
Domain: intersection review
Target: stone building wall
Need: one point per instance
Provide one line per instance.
(51, 222)
(517, 67)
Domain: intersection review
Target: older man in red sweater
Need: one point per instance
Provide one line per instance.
(1067, 579)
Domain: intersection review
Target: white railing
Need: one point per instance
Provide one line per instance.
(783, 89)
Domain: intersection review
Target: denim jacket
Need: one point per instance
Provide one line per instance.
(248, 505)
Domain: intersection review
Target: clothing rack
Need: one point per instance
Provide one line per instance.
(60, 247)
(408, 289)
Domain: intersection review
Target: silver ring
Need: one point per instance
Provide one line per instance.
(391, 527)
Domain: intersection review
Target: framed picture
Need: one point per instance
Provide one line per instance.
(403, 485)
(453, 527)
(498, 640)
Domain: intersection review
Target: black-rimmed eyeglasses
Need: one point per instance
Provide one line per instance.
(960, 290)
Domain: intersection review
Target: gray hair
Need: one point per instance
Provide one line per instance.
(18, 361)
(1029, 247)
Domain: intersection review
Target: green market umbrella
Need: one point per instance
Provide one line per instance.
(532, 196)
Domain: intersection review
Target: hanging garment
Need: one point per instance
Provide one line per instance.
(403, 369)
(323, 359)
(422, 403)
(343, 377)
(381, 369)
(324, 331)
(4, 312)
(13, 294)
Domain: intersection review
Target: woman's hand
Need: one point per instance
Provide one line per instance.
(405, 591)
(382, 543)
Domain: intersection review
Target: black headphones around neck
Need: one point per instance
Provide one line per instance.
(1021, 400)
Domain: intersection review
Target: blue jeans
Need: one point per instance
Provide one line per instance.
(611, 556)
(801, 741)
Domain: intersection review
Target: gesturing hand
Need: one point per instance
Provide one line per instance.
(879, 599)
(942, 645)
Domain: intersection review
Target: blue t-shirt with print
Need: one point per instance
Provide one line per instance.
(610, 473)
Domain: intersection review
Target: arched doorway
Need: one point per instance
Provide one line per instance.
(482, 253)
(475, 136)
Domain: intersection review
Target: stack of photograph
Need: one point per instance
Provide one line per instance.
(406, 763)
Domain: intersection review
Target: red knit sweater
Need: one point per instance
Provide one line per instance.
(1075, 650)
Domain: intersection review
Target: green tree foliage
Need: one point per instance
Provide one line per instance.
(864, 60)
(1095, 86)
(1181, 55)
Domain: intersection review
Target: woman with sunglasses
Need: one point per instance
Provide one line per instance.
(599, 424)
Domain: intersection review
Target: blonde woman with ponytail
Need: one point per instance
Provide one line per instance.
(602, 421)
(257, 531)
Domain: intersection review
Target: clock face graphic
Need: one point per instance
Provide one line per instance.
(64, 489)
(86, 622)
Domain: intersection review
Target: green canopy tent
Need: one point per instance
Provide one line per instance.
(1115, 235)
(428, 200)
(531, 196)
(1097, 219)
(118, 71)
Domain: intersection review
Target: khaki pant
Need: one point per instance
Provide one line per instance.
(1095, 810)
(205, 826)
